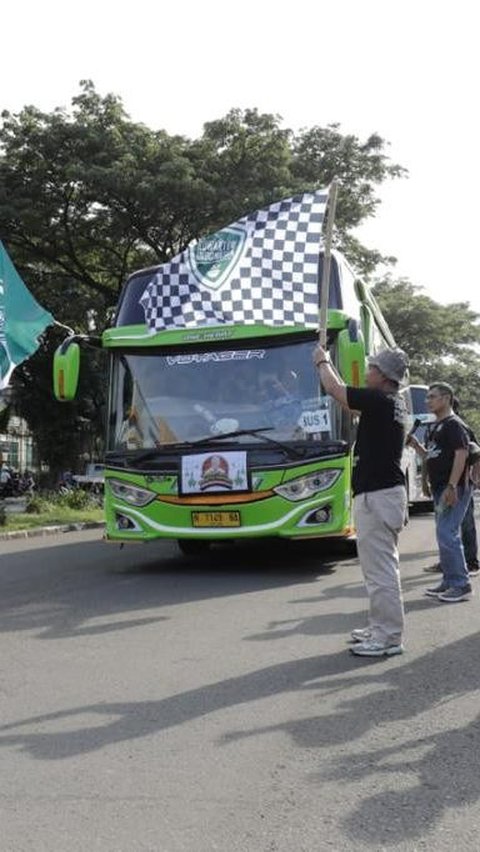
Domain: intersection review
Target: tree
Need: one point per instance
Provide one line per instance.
(324, 152)
(63, 433)
(88, 196)
(77, 199)
(441, 340)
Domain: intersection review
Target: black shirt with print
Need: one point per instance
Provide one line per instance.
(380, 439)
(442, 440)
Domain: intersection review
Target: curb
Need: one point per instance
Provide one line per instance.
(53, 530)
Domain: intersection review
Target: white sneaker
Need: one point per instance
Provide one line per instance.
(374, 648)
(359, 634)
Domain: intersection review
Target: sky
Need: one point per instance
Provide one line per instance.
(407, 70)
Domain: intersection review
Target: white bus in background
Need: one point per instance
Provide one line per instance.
(417, 486)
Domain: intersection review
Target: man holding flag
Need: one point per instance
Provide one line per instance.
(380, 499)
(265, 268)
(22, 320)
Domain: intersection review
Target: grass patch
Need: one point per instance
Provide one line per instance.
(58, 515)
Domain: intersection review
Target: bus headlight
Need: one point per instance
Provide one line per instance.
(130, 493)
(306, 486)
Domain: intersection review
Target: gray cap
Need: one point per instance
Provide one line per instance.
(393, 363)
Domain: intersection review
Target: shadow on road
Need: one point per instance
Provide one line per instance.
(443, 771)
(58, 590)
(144, 718)
(424, 554)
(64, 590)
(398, 692)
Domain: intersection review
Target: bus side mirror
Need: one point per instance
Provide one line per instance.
(66, 370)
(351, 358)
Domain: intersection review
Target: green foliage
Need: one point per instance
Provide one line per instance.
(77, 499)
(48, 501)
(434, 335)
(87, 196)
(40, 504)
(63, 432)
(322, 152)
(5, 417)
(441, 340)
(52, 517)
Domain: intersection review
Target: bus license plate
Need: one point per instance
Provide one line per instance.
(216, 519)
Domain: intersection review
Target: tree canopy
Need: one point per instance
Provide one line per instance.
(87, 196)
(441, 340)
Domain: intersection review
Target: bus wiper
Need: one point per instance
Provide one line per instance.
(209, 439)
(156, 452)
(235, 434)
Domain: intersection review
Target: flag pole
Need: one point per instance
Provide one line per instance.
(66, 327)
(327, 254)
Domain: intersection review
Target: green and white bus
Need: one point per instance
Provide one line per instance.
(223, 432)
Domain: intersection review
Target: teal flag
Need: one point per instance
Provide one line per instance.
(22, 320)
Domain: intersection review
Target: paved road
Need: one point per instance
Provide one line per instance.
(151, 703)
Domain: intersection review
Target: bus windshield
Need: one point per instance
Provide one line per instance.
(161, 399)
(419, 399)
(415, 397)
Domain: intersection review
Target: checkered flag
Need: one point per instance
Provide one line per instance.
(261, 269)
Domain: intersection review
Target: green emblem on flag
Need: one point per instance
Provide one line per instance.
(213, 258)
(22, 319)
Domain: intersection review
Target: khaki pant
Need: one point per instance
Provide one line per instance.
(379, 517)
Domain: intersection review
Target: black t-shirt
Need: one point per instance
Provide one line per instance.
(470, 432)
(442, 439)
(380, 439)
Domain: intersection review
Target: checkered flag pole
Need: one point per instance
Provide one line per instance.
(327, 255)
(261, 269)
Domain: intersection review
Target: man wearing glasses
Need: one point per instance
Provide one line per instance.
(468, 528)
(446, 453)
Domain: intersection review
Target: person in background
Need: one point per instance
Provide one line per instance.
(5, 474)
(5, 477)
(468, 528)
(27, 482)
(380, 498)
(446, 453)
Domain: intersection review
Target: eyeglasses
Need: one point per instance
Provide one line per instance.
(435, 395)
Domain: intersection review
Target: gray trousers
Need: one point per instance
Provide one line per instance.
(379, 517)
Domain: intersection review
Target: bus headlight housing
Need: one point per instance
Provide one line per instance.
(130, 493)
(306, 486)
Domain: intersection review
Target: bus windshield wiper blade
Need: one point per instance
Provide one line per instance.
(154, 452)
(209, 439)
(145, 455)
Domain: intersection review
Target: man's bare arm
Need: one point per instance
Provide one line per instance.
(330, 381)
